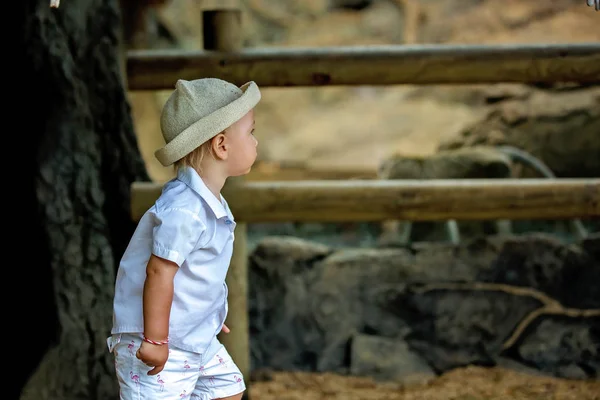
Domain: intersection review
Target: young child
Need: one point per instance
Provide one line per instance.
(170, 294)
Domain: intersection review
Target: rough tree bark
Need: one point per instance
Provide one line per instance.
(76, 206)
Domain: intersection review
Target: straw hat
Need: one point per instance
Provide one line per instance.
(198, 110)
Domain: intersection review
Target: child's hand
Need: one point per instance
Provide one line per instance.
(225, 329)
(153, 356)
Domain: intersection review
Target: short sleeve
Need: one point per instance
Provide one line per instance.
(176, 233)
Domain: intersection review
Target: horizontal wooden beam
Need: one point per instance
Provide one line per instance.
(370, 65)
(419, 200)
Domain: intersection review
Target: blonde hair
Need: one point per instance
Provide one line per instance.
(194, 159)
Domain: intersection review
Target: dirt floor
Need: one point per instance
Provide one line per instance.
(471, 383)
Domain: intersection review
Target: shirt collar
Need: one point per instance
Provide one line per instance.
(190, 177)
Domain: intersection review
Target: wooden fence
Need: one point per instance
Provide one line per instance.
(371, 65)
(412, 200)
(367, 200)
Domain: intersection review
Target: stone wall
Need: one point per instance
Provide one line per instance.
(530, 302)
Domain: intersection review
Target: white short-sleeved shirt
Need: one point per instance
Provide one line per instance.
(190, 226)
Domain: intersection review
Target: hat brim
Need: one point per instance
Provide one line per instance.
(210, 126)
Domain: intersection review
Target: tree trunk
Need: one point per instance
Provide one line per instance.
(76, 208)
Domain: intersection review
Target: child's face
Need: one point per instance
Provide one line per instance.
(241, 145)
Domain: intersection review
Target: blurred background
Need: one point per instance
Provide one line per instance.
(357, 310)
(403, 131)
(359, 127)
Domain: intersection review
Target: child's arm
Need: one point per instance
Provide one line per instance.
(158, 296)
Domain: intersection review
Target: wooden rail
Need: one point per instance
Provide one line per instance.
(370, 65)
(427, 200)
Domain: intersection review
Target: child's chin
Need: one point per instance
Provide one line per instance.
(246, 172)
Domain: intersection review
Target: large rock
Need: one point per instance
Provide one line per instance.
(530, 299)
(388, 359)
(569, 349)
(560, 127)
(462, 163)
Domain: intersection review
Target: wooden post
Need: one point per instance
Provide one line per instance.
(222, 31)
(237, 341)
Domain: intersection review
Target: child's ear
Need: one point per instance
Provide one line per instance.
(219, 146)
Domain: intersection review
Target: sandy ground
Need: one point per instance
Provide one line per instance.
(471, 383)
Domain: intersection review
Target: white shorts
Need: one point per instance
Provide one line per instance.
(185, 375)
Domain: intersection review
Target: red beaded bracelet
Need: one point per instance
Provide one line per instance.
(155, 342)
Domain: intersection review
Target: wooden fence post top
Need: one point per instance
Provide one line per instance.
(222, 29)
